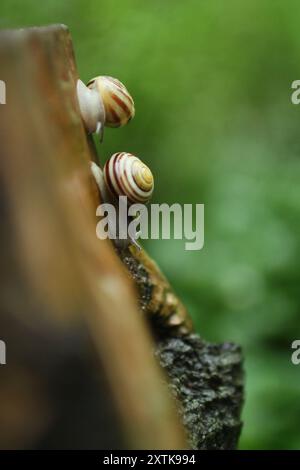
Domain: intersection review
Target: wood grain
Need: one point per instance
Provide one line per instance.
(64, 293)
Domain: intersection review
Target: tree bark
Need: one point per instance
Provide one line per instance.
(206, 379)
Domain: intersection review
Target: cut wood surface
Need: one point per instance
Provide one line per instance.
(64, 293)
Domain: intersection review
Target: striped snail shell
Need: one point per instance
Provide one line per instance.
(127, 175)
(118, 104)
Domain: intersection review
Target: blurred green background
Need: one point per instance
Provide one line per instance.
(214, 120)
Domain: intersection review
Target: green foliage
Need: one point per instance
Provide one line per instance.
(214, 120)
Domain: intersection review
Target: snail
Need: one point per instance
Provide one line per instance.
(127, 175)
(104, 101)
(124, 174)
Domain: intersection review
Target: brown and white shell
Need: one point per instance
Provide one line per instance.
(117, 101)
(126, 175)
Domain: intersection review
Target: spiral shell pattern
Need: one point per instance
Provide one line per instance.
(118, 104)
(127, 175)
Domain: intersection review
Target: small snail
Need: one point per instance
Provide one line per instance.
(104, 101)
(127, 175)
(124, 175)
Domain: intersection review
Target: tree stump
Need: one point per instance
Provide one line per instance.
(93, 336)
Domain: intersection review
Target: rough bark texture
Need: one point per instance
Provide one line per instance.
(81, 371)
(157, 300)
(206, 379)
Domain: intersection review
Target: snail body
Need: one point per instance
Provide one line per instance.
(104, 101)
(124, 175)
(91, 108)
